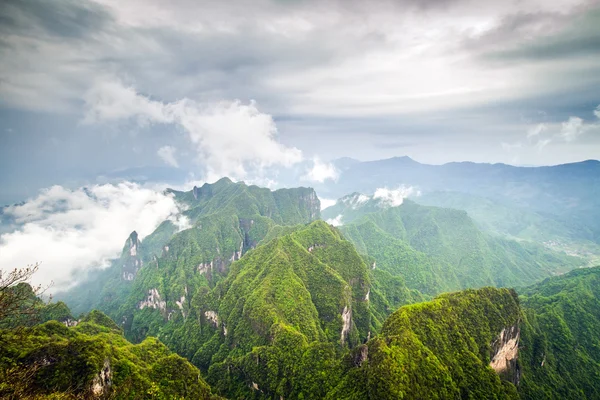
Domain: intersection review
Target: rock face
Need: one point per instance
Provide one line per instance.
(102, 381)
(505, 352)
(212, 317)
(347, 319)
(130, 257)
(312, 204)
(153, 300)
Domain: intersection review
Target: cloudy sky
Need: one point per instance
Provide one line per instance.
(198, 89)
(96, 93)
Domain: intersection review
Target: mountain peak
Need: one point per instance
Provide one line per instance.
(223, 181)
(133, 236)
(405, 159)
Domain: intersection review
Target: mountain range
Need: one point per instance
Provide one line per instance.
(256, 293)
(568, 192)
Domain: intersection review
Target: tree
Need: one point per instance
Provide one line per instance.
(16, 292)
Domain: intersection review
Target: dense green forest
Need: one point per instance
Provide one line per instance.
(151, 287)
(257, 298)
(92, 360)
(560, 355)
(476, 344)
(483, 343)
(440, 249)
(442, 349)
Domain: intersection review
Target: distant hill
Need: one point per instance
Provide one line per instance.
(439, 249)
(568, 190)
(554, 231)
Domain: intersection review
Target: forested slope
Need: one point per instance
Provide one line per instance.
(92, 360)
(561, 336)
(438, 249)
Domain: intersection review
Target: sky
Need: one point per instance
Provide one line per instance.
(104, 89)
(103, 93)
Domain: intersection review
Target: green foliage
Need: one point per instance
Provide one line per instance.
(435, 350)
(561, 337)
(436, 249)
(278, 318)
(32, 310)
(99, 318)
(151, 288)
(53, 361)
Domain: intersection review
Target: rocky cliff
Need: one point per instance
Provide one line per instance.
(458, 344)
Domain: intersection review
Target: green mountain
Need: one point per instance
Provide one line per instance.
(24, 308)
(268, 301)
(560, 355)
(92, 360)
(460, 345)
(155, 279)
(503, 218)
(568, 191)
(277, 324)
(438, 249)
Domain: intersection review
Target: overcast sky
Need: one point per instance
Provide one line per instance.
(200, 89)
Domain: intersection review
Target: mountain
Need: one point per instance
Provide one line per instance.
(437, 249)
(277, 323)
(92, 360)
(499, 218)
(568, 190)
(486, 343)
(21, 307)
(560, 357)
(150, 288)
(268, 301)
(460, 345)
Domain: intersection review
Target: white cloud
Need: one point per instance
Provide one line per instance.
(542, 134)
(536, 130)
(230, 137)
(571, 129)
(326, 202)
(337, 221)
(355, 200)
(180, 221)
(542, 143)
(511, 146)
(395, 197)
(167, 154)
(321, 171)
(70, 231)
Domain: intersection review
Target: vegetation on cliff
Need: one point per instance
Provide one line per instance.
(441, 349)
(560, 354)
(436, 249)
(92, 360)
